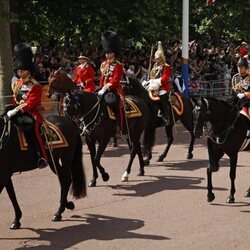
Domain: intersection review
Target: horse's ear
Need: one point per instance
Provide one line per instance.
(194, 100)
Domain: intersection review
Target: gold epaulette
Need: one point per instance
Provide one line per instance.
(166, 64)
(118, 62)
(34, 81)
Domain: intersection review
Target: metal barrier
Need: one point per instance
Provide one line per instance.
(215, 88)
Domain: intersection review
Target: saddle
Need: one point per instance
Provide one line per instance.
(131, 110)
(174, 99)
(54, 135)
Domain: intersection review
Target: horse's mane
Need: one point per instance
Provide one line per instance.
(227, 105)
(61, 81)
(135, 87)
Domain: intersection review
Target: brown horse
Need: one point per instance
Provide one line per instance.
(97, 125)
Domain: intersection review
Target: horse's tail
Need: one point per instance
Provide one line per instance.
(78, 188)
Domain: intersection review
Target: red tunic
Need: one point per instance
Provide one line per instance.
(28, 94)
(112, 73)
(85, 74)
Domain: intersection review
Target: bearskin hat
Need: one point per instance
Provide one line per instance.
(23, 57)
(111, 42)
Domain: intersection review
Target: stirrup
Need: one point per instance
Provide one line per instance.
(42, 163)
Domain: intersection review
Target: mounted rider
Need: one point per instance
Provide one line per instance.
(242, 86)
(111, 76)
(27, 93)
(159, 83)
(85, 74)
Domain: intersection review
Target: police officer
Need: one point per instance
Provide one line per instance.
(27, 94)
(111, 76)
(159, 82)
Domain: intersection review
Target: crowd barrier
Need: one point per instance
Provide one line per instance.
(215, 88)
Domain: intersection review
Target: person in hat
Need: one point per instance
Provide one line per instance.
(243, 89)
(159, 82)
(27, 94)
(239, 78)
(178, 84)
(85, 74)
(111, 76)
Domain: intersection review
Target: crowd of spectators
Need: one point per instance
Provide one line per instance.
(206, 61)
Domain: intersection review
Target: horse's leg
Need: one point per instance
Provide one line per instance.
(16, 224)
(92, 150)
(64, 176)
(170, 139)
(247, 194)
(102, 146)
(215, 154)
(232, 174)
(191, 146)
(141, 161)
(125, 176)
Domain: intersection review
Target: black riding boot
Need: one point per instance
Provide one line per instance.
(166, 110)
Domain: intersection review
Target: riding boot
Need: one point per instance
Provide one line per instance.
(166, 110)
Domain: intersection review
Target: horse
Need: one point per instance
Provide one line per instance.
(133, 87)
(66, 163)
(228, 135)
(96, 124)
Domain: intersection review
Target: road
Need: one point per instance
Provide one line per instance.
(165, 209)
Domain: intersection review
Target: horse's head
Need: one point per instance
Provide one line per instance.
(72, 105)
(200, 115)
(59, 81)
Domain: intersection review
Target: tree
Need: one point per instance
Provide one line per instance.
(5, 53)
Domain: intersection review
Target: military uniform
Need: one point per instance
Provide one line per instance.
(84, 77)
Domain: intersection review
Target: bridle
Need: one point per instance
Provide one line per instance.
(216, 138)
(85, 129)
(5, 132)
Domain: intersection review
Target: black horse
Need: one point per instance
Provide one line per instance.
(133, 87)
(67, 163)
(229, 134)
(93, 118)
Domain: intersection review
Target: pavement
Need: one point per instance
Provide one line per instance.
(165, 209)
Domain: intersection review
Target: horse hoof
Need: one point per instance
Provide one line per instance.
(230, 200)
(140, 173)
(105, 176)
(190, 156)
(146, 162)
(210, 197)
(70, 205)
(15, 225)
(92, 184)
(57, 217)
(160, 159)
(247, 194)
(124, 179)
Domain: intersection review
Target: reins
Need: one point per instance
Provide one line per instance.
(216, 138)
(4, 133)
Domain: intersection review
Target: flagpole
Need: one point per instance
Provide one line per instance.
(185, 38)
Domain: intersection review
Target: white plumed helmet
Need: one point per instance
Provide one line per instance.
(160, 53)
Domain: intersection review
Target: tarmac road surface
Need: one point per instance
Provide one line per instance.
(165, 209)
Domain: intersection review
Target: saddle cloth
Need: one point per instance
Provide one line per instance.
(174, 99)
(246, 112)
(131, 110)
(55, 137)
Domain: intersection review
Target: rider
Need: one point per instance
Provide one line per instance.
(111, 75)
(159, 81)
(85, 75)
(27, 95)
(244, 85)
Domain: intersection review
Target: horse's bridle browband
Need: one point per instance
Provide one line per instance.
(225, 133)
(6, 130)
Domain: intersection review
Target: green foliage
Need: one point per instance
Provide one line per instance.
(145, 20)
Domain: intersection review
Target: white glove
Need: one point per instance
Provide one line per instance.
(12, 112)
(154, 84)
(102, 91)
(107, 85)
(145, 84)
(240, 95)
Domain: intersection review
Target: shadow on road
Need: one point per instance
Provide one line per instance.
(91, 227)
